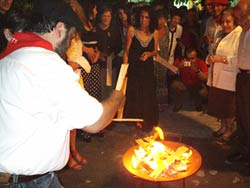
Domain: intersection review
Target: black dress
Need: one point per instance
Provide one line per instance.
(92, 80)
(141, 99)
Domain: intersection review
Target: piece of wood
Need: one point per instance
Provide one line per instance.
(128, 119)
(109, 71)
(122, 86)
(166, 64)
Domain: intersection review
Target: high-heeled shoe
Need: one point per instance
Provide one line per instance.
(78, 158)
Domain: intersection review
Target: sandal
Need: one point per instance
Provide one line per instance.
(78, 158)
(74, 164)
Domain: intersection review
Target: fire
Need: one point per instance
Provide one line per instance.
(156, 159)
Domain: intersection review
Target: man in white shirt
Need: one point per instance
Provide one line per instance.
(41, 100)
(175, 33)
(242, 13)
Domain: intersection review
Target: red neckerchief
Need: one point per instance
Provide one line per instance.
(20, 40)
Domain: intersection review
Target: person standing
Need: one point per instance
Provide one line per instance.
(242, 13)
(77, 62)
(87, 11)
(213, 24)
(5, 6)
(41, 100)
(141, 46)
(175, 34)
(123, 20)
(222, 76)
(206, 17)
(160, 70)
(109, 45)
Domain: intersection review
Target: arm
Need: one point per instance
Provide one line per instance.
(129, 36)
(201, 70)
(93, 54)
(74, 65)
(110, 107)
(202, 75)
(217, 59)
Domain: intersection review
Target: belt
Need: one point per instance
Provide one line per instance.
(22, 178)
(244, 71)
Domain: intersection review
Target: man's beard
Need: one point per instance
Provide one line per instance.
(62, 47)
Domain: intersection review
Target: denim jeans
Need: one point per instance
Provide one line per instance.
(47, 181)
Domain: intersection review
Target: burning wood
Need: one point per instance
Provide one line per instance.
(156, 159)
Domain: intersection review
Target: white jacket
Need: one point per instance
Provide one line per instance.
(223, 76)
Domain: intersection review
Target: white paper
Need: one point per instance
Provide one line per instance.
(163, 62)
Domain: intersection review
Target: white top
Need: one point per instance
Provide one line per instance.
(224, 75)
(40, 102)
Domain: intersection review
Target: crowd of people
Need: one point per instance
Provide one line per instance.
(60, 60)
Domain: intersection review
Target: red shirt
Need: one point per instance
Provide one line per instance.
(189, 76)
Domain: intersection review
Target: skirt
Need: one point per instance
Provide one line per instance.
(221, 103)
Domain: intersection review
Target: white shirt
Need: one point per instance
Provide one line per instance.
(40, 102)
(223, 76)
(173, 42)
(244, 52)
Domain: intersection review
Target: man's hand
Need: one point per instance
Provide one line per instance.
(110, 107)
(194, 67)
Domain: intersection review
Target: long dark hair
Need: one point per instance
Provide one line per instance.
(126, 10)
(88, 6)
(146, 8)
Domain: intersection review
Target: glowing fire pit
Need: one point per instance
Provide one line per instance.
(161, 160)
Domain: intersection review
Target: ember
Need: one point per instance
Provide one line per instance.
(156, 159)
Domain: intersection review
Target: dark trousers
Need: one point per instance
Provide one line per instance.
(197, 92)
(243, 110)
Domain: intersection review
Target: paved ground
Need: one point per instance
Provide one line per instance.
(104, 155)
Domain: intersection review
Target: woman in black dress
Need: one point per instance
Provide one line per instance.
(141, 46)
(91, 80)
(87, 11)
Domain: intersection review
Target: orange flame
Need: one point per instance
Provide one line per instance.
(157, 159)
